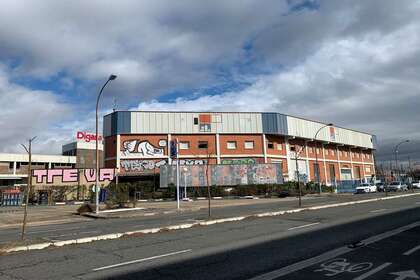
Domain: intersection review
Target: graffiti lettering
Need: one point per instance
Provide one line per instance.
(71, 175)
(141, 165)
(137, 148)
(190, 162)
(239, 161)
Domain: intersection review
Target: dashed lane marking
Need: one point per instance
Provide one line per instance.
(378, 210)
(303, 226)
(142, 260)
(409, 252)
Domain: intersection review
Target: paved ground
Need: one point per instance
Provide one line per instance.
(221, 209)
(40, 215)
(243, 250)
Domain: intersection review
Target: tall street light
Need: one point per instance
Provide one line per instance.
(316, 157)
(111, 78)
(396, 154)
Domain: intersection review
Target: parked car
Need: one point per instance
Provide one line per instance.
(366, 188)
(415, 184)
(397, 186)
(380, 187)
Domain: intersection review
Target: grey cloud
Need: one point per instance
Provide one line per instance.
(355, 63)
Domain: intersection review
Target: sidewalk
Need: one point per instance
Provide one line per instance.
(43, 215)
(39, 215)
(11, 217)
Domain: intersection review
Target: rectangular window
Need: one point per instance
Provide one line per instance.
(270, 145)
(292, 148)
(311, 150)
(341, 153)
(231, 145)
(203, 144)
(326, 152)
(10, 165)
(249, 145)
(368, 169)
(317, 151)
(195, 121)
(184, 145)
(332, 152)
(279, 147)
(363, 156)
(205, 127)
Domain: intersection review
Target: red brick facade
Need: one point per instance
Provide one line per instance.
(336, 162)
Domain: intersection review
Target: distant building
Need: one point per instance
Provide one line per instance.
(14, 167)
(84, 149)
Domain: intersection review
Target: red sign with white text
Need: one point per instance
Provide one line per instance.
(87, 137)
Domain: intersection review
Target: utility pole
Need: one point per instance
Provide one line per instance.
(28, 185)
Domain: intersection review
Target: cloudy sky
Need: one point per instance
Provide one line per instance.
(353, 63)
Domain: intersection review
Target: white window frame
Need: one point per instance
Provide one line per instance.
(250, 142)
(187, 143)
(231, 147)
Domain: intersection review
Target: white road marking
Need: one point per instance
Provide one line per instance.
(76, 233)
(371, 272)
(303, 226)
(378, 210)
(401, 275)
(142, 260)
(329, 255)
(418, 202)
(149, 214)
(409, 252)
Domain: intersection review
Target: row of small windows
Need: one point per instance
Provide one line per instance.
(249, 145)
(230, 145)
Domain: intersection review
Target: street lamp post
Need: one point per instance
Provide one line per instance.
(111, 78)
(316, 157)
(396, 155)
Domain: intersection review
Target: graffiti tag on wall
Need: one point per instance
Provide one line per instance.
(71, 175)
(239, 161)
(141, 165)
(140, 149)
(138, 165)
(190, 162)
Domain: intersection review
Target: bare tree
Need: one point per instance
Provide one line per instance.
(28, 185)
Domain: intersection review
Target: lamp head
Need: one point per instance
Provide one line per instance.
(330, 124)
(112, 77)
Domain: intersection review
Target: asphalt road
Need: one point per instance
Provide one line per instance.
(82, 229)
(246, 249)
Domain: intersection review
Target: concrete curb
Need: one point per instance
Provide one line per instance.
(44, 245)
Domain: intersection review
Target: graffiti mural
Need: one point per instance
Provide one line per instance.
(139, 165)
(140, 149)
(224, 175)
(71, 175)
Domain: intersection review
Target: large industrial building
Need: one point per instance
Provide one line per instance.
(137, 143)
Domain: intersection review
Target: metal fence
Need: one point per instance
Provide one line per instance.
(222, 175)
